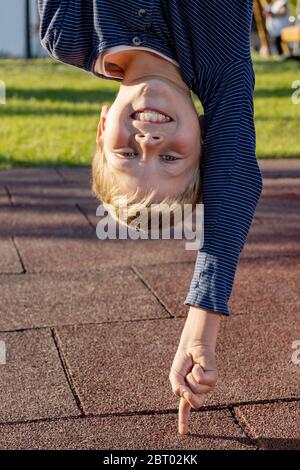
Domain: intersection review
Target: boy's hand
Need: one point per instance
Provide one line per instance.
(194, 372)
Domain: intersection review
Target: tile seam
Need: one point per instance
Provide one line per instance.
(243, 425)
(204, 409)
(150, 289)
(67, 371)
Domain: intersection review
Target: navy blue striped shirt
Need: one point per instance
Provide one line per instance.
(210, 39)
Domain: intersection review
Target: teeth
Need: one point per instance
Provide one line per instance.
(151, 116)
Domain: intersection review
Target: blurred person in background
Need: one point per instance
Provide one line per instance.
(277, 18)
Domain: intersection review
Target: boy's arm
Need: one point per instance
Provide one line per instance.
(231, 182)
(231, 177)
(67, 30)
(231, 187)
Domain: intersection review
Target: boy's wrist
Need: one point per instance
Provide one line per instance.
(201, 328)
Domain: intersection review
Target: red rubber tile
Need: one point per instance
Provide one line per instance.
(116, 367)
(30, 176)
(80, 175)
(44, 221)
(284, 187)
(63, 254)
(265, 288)
(209, 430)
(122, 367)
(4, 199)
(273, 426)
(279, 167)
(33, 384)
(170, 283)
(9, 260)
(60, 238)
(55, 195)
(255, 359)
(81, 253)
(278, 208)
(280, 238)
(36, 300)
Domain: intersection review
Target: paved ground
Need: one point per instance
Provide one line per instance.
(91, 327)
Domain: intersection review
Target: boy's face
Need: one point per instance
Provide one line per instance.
(151, 155)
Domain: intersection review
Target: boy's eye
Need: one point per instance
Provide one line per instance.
(166, 158)
(128, 154)
(169, 158)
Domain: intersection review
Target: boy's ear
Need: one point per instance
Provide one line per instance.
(101, 125)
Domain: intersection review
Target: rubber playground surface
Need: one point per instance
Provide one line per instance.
(90, 326)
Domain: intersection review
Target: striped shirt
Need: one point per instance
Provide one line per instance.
(210, 40)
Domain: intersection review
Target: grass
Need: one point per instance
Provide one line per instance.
(52, 111)
(277, 118)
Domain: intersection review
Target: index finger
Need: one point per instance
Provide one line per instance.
(183, 416)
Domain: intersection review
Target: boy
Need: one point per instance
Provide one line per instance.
(277, 18)
(159, 50)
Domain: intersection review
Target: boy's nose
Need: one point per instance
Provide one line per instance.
(149, 138)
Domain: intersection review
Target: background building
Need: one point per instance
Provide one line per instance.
(13, 25)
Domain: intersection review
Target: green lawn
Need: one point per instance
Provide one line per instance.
(277, 118)
(52, 111)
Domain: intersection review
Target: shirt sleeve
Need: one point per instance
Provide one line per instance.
(66, 30)
(231, 179)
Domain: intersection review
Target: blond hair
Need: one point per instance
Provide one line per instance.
(106, 189)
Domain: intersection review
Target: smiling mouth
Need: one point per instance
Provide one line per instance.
(155, 116)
